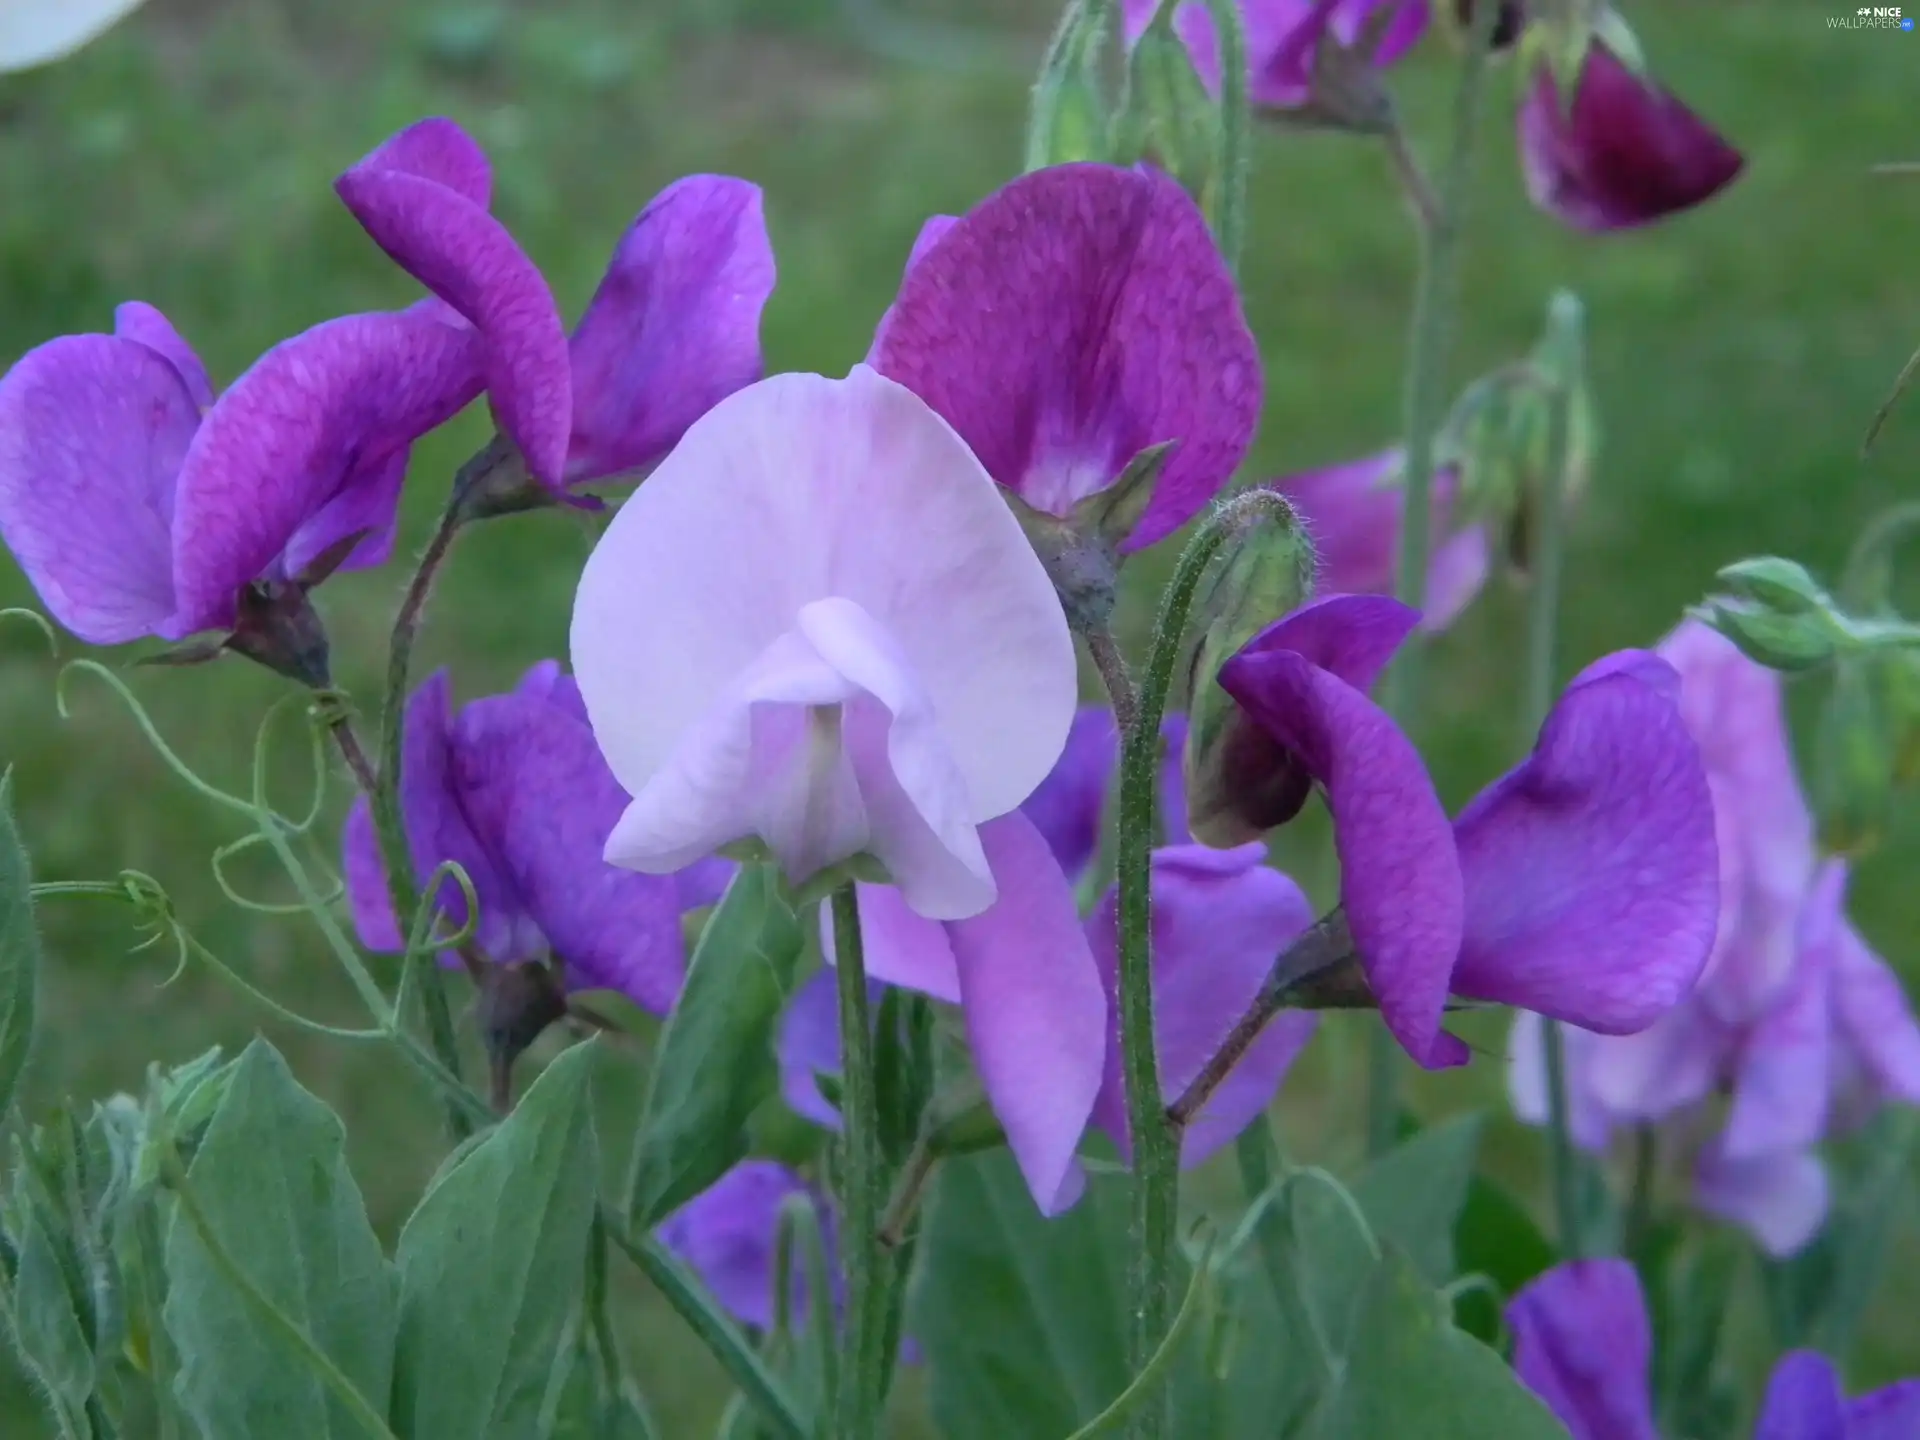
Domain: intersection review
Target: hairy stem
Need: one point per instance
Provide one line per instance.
(864, 1182)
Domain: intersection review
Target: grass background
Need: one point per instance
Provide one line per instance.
(185, 159)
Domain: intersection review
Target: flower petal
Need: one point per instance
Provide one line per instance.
(1803, 1401)
(1068, 805)
(1672, 1064)
(1592, 878)
(93, 429)
(899, 946)
(368, 505)
(1220, 919)
(311, 415)
(1890, 1413)
(137, 320)
(1073, 319)
(1583, 1344)
(1779, 1199)
(1036, 1015)
(451, 245)
(729, 1234)
(1874, 1016)
(674, 327)
(931, 233)
(436, 149)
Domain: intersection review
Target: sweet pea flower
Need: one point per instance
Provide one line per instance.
(1584, 1345)
(818, 626)
(1353, 512)
(1282, 37)
(673, 328)
(138, 504)
(729, 1235)
(513, 788)
(1072, 320)
(1622, 152)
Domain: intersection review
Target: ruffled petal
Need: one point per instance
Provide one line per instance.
(1068, 805)
(1073, 319)
(1803, 1401)
(674, 327)
(729, 1234)
(1036, 1015)
(1892, 1413)
(313, 413)
(1779, 1199)
(137, 320)
(1583, 1344)
(1592, 878)
(436, 149)
(93, 430)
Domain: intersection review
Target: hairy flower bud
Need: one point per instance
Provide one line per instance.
(1069, 110)
(1169, 118)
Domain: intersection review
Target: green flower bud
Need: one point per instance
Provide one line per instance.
(1789, 643)
(1168, 117)
(1780, 585)
(1069, 107)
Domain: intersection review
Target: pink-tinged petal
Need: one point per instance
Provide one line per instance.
(1874, 1016)
(674, 327)
(1456, 574)
(1583, 1344)
(1072, 320)
(1624, 154)
(1220, 919)
(1672, 1064)
(899, 946)
(137, 320)
(1588, 1120)
(532, 784)
(312, 414)
(1069, 804)
(790, 492)
(368, 506)
(1592, 879)
(1779, 1199)
(729, 1234)
(436, 149)
(1803, 1401)
(1892, 1413)
(1035, 1011)
(93, 429)
(930, 235)
(809, 1046)
(451, 245)
(1400, 881)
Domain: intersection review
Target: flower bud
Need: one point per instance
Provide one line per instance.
(1069, 111)
(1169, 118)
(1788, 643)
(517, 1004)
(1780, 585)
(1240, 782)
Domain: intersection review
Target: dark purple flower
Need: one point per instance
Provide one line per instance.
(1068, 322)
(138, 505)
(514, 789)
(1624, 152)
(729, 1235)
(672, 330)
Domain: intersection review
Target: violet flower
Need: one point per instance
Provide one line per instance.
(1282, 37)
(1070, 321)
(1622, 153)
(1584, 1345)
(138, 505)
(729, 1235)
(513, 788)
(1353, 512)
(672, 329)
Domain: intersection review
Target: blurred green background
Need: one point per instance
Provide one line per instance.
(185, 159)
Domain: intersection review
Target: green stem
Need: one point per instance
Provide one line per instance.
(1235, 127)
(1138, 1395)
(1429, 341)
(1259, 1156)
(1859, 580)
(864, 1182)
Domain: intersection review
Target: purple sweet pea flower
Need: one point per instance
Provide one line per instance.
(729, 1235)
(138, 505)
(513, 788)
(1282, 37)
(1068, 322)
(1353, 513)
(1624, 153)
(672, 329)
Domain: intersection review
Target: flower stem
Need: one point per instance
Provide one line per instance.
(864, 1182)
(1429, 342)
(1115, 675)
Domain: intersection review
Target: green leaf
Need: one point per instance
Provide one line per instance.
(492, 1266)
(47, 1329)
(1496, 1237)
(271, 1176)
(19, 951)
(716, 1060)
(1409, 1372)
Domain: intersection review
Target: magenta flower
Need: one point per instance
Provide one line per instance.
(819, 627)
(1623, 153)
(1282, 38)
(729, 1235)
(514, 790)
(139, 505)
(672, 329)
(1353, 513)
(1068, 322)
(1584, 1345)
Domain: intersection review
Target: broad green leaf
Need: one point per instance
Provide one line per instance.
(271, 1176)
(716, 1061)
(1410, 1373)
(1496, 1237)
(19, 951)
(47, 1329)
(492, 1266)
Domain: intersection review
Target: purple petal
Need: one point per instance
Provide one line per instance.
(1174, 823)
(899, 947)
(809, 1045)
(1278, 39)
(451, 245)
(1068, 807)
(703, 883)
(729, 1234)
(368, 505)
(1035, 1010)
(1872, 1013)
(1220, 918)
(311, 415)
(1892, 1413)
(1626, 153)
(137, 320)
(1582, 1343)
(674, 327)
(1779, 1199)
(1803, 1401)
(930, 235)
(436, 149)
(1592, 879)
(93, 429)
(1672, 1064)
(1073, 319)
(535, 789)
